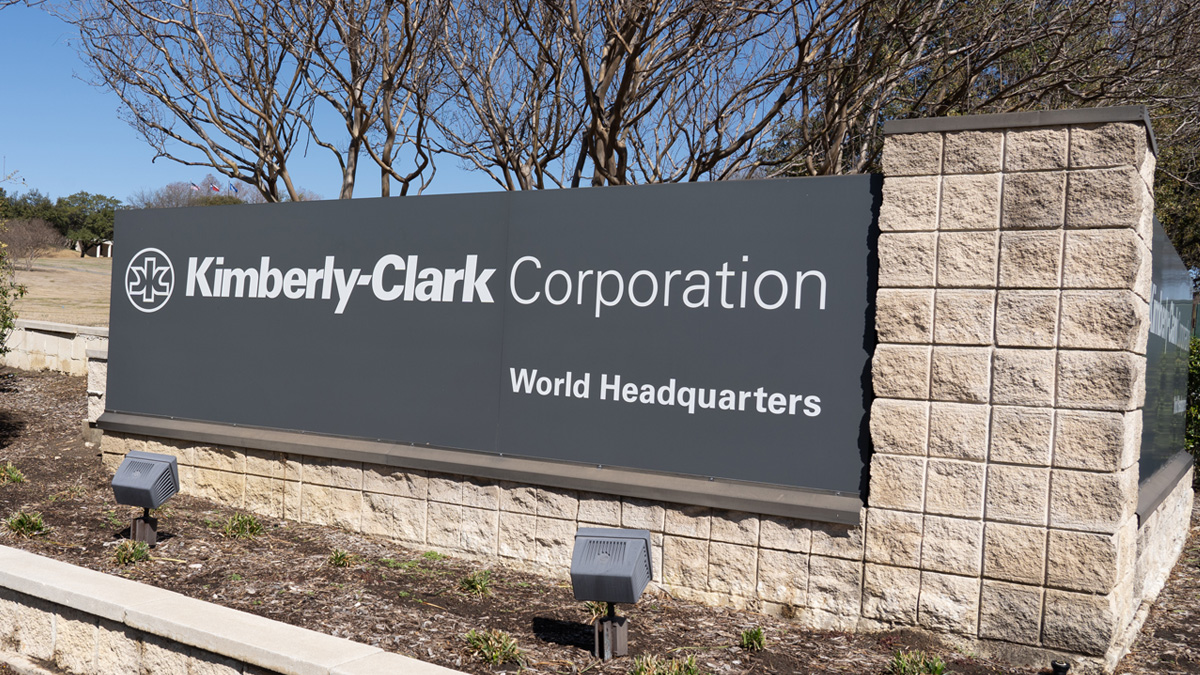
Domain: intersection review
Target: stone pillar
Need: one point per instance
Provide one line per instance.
(1014, 280)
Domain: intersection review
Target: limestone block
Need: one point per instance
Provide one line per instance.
(972, 151)
(220, 486)
(1103, 259)
(1109, 144)
(893, 538)
(97, 373)
(557, 503)
(952, 545)
(967, 259)
(1035, 149)
(293, 467)
(970, 202)
(291, 500)
(1104, 198)
(445, 488)
(118, 649)
(904, 315)
(481, 493)
(1010, 612)
(735, 527)
(685, 562)
(1083, 561)
(517, 537)
(890, 594)
(732, 569)
(688, 521)
(112, 461)
(1145, 226)
(954, 488)
(520, 498)
(642, 514)
(1021, 435)
(1017, 494)
(321, 505)
(964, 317)
(220, 459)
(948, 603)
(408, 519)
(183, 452)
(599, 509)
(1078, 622)
(899, 427)
(912, 154)
(95, 407)
(1142, 282)
(907, 259)
(960, 374)
(264, 496)
(1101, 380)
(1027, 318)
(1023, 377)
(783, 577)
(897, 482)
(834, 585)
(1033, 200)
(1104, 320)
(1030, 259)
(443, 525)
(958, 430)
(264, 463)
(201, 662)
(392, 481)
(784, 534)
(75, 641)
(555, 539)
(1097, 441)
(333, 473)
(1014, 553)
(160, 656)
(1146, 168)
(480, 528)
(901, 371)
(909, 203)
(378, 517)
(837, 541)
(113, 443)
(1094, 502)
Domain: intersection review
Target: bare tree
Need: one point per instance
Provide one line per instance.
(221, 79)
(31, 238)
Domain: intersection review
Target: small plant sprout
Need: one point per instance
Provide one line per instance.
(10, 474)
(477, 583)
(649, 664)
(916, 662)
(129, 552)
(493, 646)
(595, 609)
(434, 556)
(26, 524)
(242, 526)
(753, 640)
(340, 558)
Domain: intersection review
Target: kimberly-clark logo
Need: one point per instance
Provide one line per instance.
(149, 280)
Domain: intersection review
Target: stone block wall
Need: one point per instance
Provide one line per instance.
(1012, 320)
(44, 345)
(1012, 317)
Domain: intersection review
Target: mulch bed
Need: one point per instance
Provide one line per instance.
(410, 601)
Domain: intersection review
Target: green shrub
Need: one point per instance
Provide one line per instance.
(242, 526)
(477, 583)
(340, 558)
(27, 524)
(493, 646)
(916, 662)
(129, 552)
(753, 640)
(10, 474)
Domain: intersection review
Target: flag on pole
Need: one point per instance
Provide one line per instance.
(195, 187)
(233, 187)
(215, 188)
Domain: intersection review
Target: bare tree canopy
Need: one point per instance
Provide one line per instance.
(546, 93)
(29, 239)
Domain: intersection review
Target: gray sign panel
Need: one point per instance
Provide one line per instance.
(715, 330)
(1167, 349)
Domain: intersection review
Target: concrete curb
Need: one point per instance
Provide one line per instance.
(254, 640)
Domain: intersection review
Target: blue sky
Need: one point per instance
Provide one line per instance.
(65, 136)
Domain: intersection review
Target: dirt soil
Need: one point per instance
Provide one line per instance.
(410, 602)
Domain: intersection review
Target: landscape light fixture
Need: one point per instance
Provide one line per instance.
(145, 479)
(611, 566)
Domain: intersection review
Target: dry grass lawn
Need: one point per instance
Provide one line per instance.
(67, 289)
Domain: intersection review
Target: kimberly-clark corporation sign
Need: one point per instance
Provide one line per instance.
(711, 330)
